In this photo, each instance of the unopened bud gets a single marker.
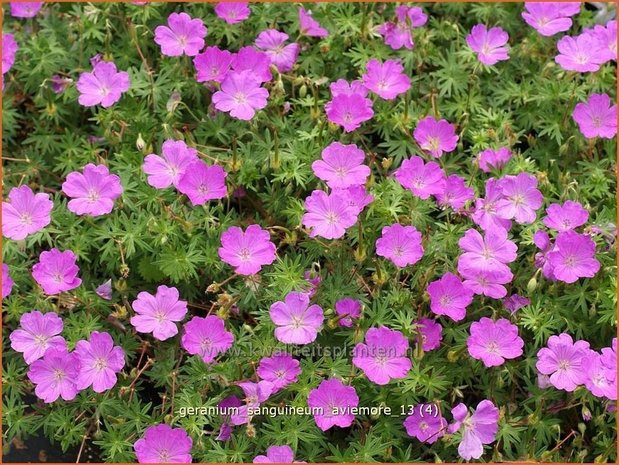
(140, 144)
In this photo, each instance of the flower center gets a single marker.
(100, 363)
(182, 40)
(206, 343)
(280, 374)
(331, 218)
(341, 172)
(398, 251)
(202, 189)
(240, 98)
(380, 359)
(105, 91)
(347, 117)
(581, 58)
(59, 374)
(564, 365)
(445, 300)
(160, 316)
(570, 261)
(26, 218)
(597, 121)
(434, 143)
(214, 71)
(244, 255)
(57, 278)
(93, 195)
(382, 85)
(41, 340)
(492, 348)
(423, 426)
(296, 322)
(486, 253)
(164, 455)
(518, 199)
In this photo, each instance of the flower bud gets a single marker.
(139, 143)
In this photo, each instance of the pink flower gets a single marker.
(100, 360)
(346, 309)
(485, 214)
(399, 34)
(436, 136)
(163, 444)
(356, 196)
(56, 271)
(247, 251)
(202, 183)
(490, 252)
(233, 12)
(490, 159)
(477, 429)
(422, 179)
(600, 381)
(158, 314)
(105, 290)
(521, 198)
(92, 192)
(563, 360)
(448, 296)
(341, 166)
(515, 302)
(276, 454)
(580, 53)
(9, 49)
(431, 334)
(547, 18)
(37, 333)
(387, 79)
(308, 26)
(349, 111)
(280, 369)
(485, 282)
(596, 117)
(297, 321)
(489, 44)
(255, 394)
(25, 9)
(104, 85)
(54, 375)
(456, 194)
(494, 341)
(606, 37)
(213, 64)
(425, 427)
(343, 87)
(227, 407)
(7, 282)
(573, 257)
(328, 215)
(206, 337)
(565, 217)
(241, 95)
(250, 59)
(183, 35)
(282, 56)
(26, 213)
(167, 170)
(400, 244)
(333, 402)
(383, 357)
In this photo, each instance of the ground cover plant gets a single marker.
(357, 232)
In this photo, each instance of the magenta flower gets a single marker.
(37, 333)
(400, 244)
(92, 192)
(606, 37)
(422, 179)
(297, 321)
(449, 297)
(580, 53)
(425, 427)
(163, 444)
(490, 159)
(383, 357)
(206, 337)
(213, 64)
(167, 170)
(485, 282)
(59, 83)
(573, 257)
(341, 166)
(56, 271)
(25, 9)
(456, 194)
(276, 454)
(521, 198)
(105, 290)
(399, 34)
(280, 369)
(493, 342)
(7, 282)
(547, 18)
(9, 49)
(565, 217)
(202, 183)
(600, 381)
(26, 213)
(241, 95)
(387, 80)
(227, 407)
(233, 12)
(255, 394)
(54, 375)
(596, 117)
(308, 26)
(490, 252)
(328, 215)
(431, 334)
(436, 136)
(515, 302)
(333, 402)
(356, 196)
(563, 360)
(347, 309)
(485, 214)
(183, 35)
(100, 360)
(489, 44)
(477, 429)
(247, 251)
(343, 87)
(250, 59)
(158, 314)
(104, 85)
(282, 56)
(349, 111)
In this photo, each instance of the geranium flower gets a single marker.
(489, 44)
(297, 321)
(26, 213)
(183, 35)
(202, 183)
(7, 282)
(521, 198)
(9, 50)
(308, 26)
(490, 159)
(247, 251)
(493, 342)
(54, 375)
(25, 9)
(490, 252)
(37, 332)
(387, 79)
(56, 271)
(206, 337)
(477, 429)
(280, 369)
(104, 85)
(485, 282)
(383, 357)
(341, 166)
(436, 136)
(422, 179)
(276, 454)
(596, 117)
(515, 302)
(399, 34)
(485, 214)
(563, 360)
(431, 334)
(233, 12)
(347, 309)
(250, 59)
(213, 64)
(158, 314)
(356, 197)
(606, 37)
(565, 217)
(255, 394)
(343, 87)
(600, 381)
(282, 56)
(425, 427)
(163, 444)
(349, 111)
(100, 360)
(400, 244)
(456, 194)
(573, 257)
(580, 53)
(333, 402)
(241, 95)
(227, 407)
(547, 18)
(448, 296)
(92, 192)
(328, 215)
(167, 170)
(105, 290)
